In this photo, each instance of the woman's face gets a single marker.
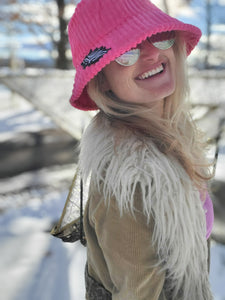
(130, 83)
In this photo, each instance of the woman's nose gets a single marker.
(148, 51)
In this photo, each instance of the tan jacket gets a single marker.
(120, 253)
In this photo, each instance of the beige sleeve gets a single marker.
(129, 253)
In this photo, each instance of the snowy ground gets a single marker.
(33, 264)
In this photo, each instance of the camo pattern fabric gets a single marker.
(94, 290)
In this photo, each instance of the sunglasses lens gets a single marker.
(164, 45)
(129, 58)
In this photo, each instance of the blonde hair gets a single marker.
(174, 133)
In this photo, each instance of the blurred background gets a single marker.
(40, 132)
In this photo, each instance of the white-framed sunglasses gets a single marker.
(162, 41)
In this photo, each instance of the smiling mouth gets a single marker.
(152, 73)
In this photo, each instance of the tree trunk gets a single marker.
(208, 20)
(166, 6)
(62, 62)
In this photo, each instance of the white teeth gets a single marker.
(151, 73)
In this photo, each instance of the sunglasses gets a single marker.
(162, 41)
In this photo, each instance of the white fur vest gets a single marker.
(167, 194)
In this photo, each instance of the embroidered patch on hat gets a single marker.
(94, 56)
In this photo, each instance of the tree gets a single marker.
(171, 6)
(62, 62)
(45, 21)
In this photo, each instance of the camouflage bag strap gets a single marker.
(70, 225)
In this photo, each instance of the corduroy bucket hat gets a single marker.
(101, 30)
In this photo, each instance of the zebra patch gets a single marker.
(94, 56)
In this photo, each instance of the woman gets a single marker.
(148, 215)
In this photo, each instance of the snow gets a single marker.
(217, 272)
(16, 115)
(36, 265)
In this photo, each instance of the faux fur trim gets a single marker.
(168, 196)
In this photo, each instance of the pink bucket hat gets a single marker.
(101, 30)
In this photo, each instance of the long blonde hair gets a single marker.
(174, 133)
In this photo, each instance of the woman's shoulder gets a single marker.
(103, 139)
(121, 150)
